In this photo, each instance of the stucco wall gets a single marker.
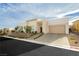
(45, 27)
(35, 25)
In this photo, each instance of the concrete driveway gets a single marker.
(59, 40)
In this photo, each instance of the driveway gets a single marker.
(60, 40)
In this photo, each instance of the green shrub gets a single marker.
(28, 29)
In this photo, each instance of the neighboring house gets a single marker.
(75, 26)
(8, 30)
(58, 26)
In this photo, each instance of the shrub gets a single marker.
(28, 29)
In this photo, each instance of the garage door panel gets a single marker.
(56, 29)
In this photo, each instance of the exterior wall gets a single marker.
(33, 24)
(67, 28)
(45, 27)
(58, 21)
(39, 25)
(36, 24)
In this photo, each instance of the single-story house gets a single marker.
(58, 26)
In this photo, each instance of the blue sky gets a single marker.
(13, 14)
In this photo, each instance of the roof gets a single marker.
(31, 20)
(76, 21)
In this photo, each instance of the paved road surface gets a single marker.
(12, 47)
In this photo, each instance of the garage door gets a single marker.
(56, 29)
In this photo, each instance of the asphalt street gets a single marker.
(13, 47)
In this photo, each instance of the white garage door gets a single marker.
(56, 29)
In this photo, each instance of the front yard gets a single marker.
(20, 35)
(73, 40)
(24, 35)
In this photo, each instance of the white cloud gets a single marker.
(67, 13)
(41, 11)
(55, 12)
(48, 12)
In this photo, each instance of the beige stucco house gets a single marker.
(58, 26)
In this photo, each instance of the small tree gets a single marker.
(19, 28)
(16, 27)
(28, 29)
